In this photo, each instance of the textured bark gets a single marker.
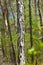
(30, 20)
(20, 25)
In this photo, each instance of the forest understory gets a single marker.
(21, 32)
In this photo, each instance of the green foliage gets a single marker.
(37, 44)
(35, 49)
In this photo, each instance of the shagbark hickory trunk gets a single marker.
(20, 26)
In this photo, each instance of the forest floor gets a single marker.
(3, 62)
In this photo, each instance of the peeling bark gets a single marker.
(20, 26)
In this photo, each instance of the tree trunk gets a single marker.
(12, 12)
(20, 26)
(6, 21)
(12, 51)
(30, 20)
(35, 2)
(3, 32)
(41, 24)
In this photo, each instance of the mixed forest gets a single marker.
(21, 32)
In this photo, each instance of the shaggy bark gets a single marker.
(20, 26)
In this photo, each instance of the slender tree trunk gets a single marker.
(38, 4)
(35, 2)
(12, 51)
(41, 24)
(40, 16)
(3, 41)
(12, 12)
(20, 25)
(30, 20)
(2, 32)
